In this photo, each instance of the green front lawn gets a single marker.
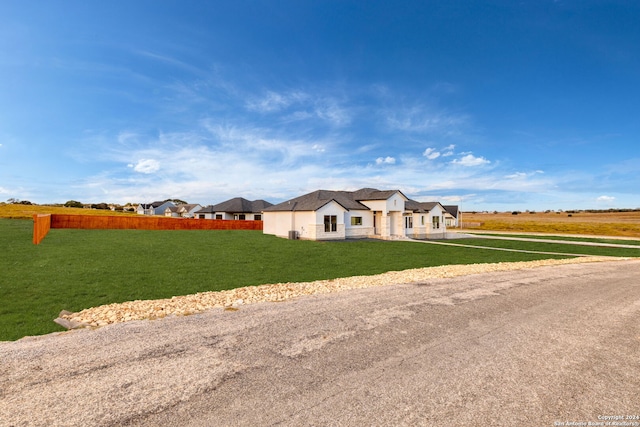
(567, 238)
(554, 247)
(77, 269)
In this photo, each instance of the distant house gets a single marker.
(368, 212)
(451, 215)
(171, 211)
(182, 211)
(237, 208)
(155, 208)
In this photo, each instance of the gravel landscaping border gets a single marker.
(233, 298)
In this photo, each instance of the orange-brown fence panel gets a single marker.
(41, 226)
(42, 223)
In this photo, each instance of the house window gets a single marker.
(356, 220)
(330, 223)
(257, 217)
(218, 216)
(242, 217)
(201, 216)
(422, 219)
(436, 222)
(408, 222)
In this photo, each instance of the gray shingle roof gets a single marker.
(237, 205)
(412, 205)
(350, 200)
(452, 209)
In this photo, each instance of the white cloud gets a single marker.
(422, 120)
(448, 151)
(470, 160)
(385, 160)
(300, 106)
(431, 153)
(318, 148)
(456, 199)
(330, 111)
(517, 175)
(126, 137)
(605, 199)
(146, 166)
(274, 101)
(523, 175)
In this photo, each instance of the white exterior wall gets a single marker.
(358, 231)
(421, 224)
(450, 220)
(331, 208)
(395, 203)
(389, 221)
(308, 224)
(280, 223)
(427, 230)
(305, 225)
(376, 205)
(437, 211)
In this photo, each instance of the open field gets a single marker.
(619, 224)
(18, 211)
(78, 269)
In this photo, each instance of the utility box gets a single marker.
(293, 235)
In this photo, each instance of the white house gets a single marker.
(236, 208)
(155, 208)
(338, 215)
(451, 216)
(182, 211)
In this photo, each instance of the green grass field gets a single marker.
(77, 269)
(567, 238)
(556, 247)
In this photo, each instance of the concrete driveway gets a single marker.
(535, 347)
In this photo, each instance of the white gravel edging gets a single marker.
(231, 299)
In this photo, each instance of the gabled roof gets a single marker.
(187, 206)
(419, 207)
(452, 209)
(350, 200)
(206, 209)
(237, 205)
(374, 194)
(317, 199)
(153, 205)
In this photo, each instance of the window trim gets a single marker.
(330, 223)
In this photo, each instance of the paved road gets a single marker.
(527, 348)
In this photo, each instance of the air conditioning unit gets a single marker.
(293, 235)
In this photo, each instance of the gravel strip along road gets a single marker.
(231, 299)
(545, 346)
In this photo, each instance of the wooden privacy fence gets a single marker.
(41, 226)
(42, 223)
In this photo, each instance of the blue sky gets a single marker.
(491, 105)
